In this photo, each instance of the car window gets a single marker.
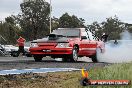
(67, 32)
(84, 33)
(91, 37)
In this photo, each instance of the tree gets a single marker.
(128, 27)
(67, 21)
(95, 28)
(9, 30)
(112, 26)
(55, 23)
(34, 19)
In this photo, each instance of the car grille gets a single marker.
(47, 44)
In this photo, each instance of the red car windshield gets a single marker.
(67, 32)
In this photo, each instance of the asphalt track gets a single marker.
(7, 63)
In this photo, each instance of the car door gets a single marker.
(88, 44)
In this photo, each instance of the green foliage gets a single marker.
(67, 21)
(112, 26)
(10, 20)
(95, 27)
(113, 72)
(34, 19)
(55, 23)
(116, 71)
(33, 23)
(9, 30)
(128, 27)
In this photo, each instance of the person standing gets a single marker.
(21, 42)
(104, 37)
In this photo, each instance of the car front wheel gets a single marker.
(74, 55)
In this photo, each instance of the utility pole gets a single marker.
(50, 16)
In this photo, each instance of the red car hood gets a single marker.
(58, 40)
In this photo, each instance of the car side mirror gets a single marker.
(83, 37)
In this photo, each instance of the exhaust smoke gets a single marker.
(118, 52)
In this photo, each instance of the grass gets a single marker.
(67, 79)
(116, 71)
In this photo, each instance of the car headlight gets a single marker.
(33, 45)
(62, 45)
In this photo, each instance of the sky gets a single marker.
(90, 10)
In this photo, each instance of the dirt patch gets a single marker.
(46, 80)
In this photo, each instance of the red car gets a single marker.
(67, 43)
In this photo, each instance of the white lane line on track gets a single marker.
(38, 70)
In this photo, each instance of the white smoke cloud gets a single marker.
(117, 53)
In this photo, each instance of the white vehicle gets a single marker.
(10, 48)
(2, 51)
(13, 50)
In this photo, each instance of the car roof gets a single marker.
(72, 28)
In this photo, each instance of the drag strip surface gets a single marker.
(40, 70)
(7, 63)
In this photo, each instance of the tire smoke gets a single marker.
(118, 52)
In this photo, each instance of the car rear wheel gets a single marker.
(38, 58)
(94, 58)
(74, 55)
(64, 59)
